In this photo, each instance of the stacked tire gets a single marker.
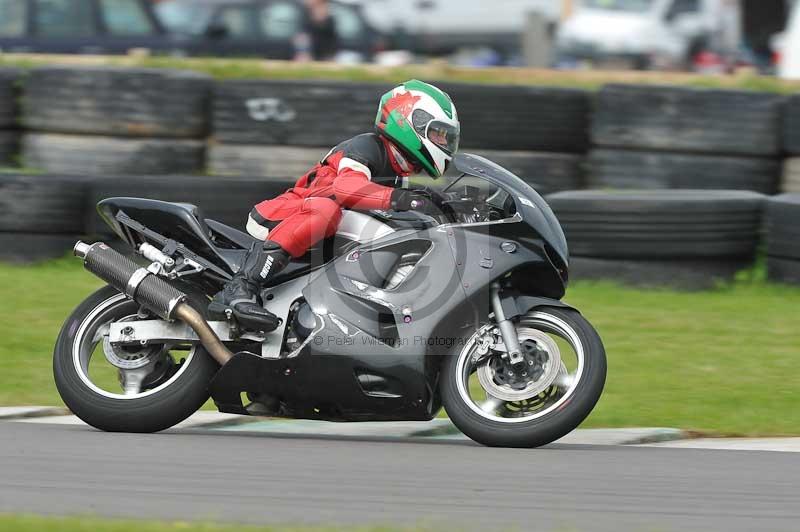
(686, 238)
(649, 137)
(628, 169)
(533, 119)
(791, 145)
(783, 238)
(545, 172)
(791, 174)
(293, 113)
(114, 121)
(9, 133)
(41, 216)
(269, 161)
(280, 128)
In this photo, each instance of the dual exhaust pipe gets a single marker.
(150, 291)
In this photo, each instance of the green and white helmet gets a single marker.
(422, 121)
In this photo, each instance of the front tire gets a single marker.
(548, 414)
(176, 396)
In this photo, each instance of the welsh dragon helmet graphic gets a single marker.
(421, 120)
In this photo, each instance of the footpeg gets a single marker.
(264, 321)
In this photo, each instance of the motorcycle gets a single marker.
(397, 316)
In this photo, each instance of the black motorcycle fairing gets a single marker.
(376, 352)
(404, 219)
(328, 387)
(527, 266)
(370, 355)
(532, 208)
(181, 222)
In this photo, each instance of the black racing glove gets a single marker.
(409, 200)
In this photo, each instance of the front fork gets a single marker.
(507, 329)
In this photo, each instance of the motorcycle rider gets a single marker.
(416, 129)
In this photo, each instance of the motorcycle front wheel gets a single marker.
(141, 388)
(534, 402)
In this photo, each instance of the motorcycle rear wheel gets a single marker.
(548, 414)
(164, 403)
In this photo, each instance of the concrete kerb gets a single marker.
(441, 429)
(24, 412)
(437, 429)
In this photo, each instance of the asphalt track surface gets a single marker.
(241, 477)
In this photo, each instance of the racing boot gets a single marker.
(240, 296)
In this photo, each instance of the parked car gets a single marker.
(638, 33)
(81, 27)
(440, 27)
(263, 28)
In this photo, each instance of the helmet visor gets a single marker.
(444, 135)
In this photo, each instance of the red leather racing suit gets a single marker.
(312, 209)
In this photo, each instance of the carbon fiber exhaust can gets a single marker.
(150, 291)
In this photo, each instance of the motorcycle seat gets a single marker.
(239, 238)
(243, 240)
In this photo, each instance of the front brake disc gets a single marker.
(498, 380)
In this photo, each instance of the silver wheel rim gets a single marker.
(465, 368)
(87, 339)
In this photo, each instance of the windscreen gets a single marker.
(478, 166)
(534, 209)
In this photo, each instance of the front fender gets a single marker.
(516, 305)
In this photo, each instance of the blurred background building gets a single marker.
(680, 35)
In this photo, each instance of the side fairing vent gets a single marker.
(408, 255)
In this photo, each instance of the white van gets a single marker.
(641, 33)
(787, 47)
(439, 27)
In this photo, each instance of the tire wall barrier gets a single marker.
(9, 131)
(791, 175)
(677, 137)
(41, 216)
(547, 172)
(111, 121)
(680, 119)
(791, 145)
(103, 156)
(302, 113)
(542, 132)
(680, 224)
(122, 131)
(225, 200)
(630, 169)
(783, 238)
(687, 238)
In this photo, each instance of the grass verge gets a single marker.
(721, 361)
(14, 523)
(244, 68)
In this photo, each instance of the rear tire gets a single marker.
(557, 420)
(156, 410)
